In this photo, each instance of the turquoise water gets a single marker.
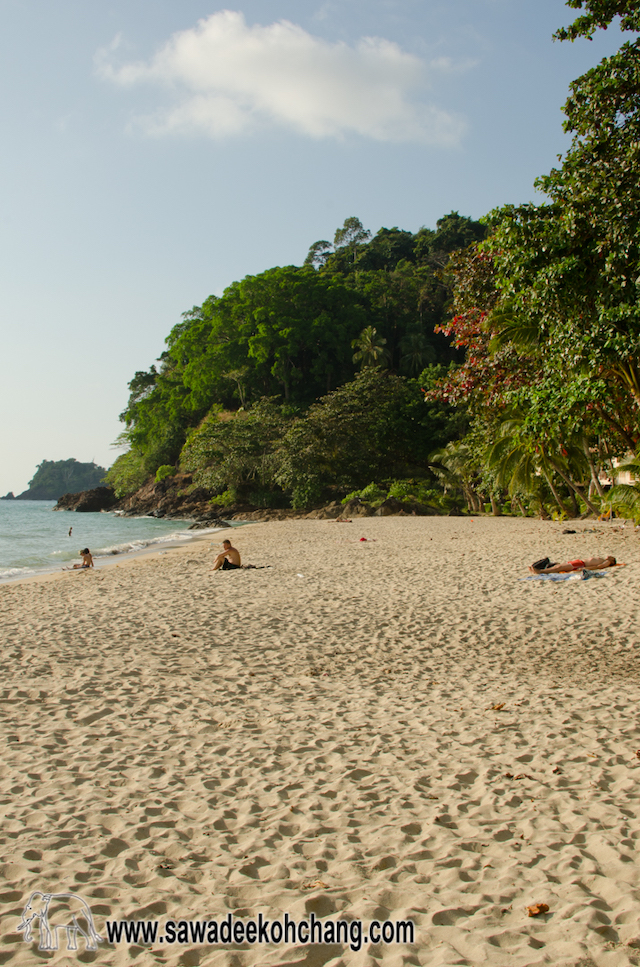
(33, 538)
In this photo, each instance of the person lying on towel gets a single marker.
(589, 564)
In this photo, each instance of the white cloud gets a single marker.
(226, 77)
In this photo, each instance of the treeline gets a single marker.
(326, 359)
(547, 310)
(492, 363)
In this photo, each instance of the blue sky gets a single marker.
(155, 151)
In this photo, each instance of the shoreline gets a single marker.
(102, 562)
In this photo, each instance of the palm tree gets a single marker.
(626, 497)
(518, 468)
(417, 353)
(517, 459)
(456, 468)
(370, 348)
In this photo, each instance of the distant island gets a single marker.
(53, 478)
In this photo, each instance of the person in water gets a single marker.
(589, 564)
(229, 559)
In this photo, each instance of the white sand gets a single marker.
(320, 736)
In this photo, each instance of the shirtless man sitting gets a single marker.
(229, 559)
(589, 564)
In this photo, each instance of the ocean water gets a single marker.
(34, 539)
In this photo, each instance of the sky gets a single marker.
(155, 151)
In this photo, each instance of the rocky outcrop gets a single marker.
(9, 496)
(88, 501)
(330, 512)
(171, 498)
(392, 507)
(355, 508)
(176, 497)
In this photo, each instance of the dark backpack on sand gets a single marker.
(541, 565)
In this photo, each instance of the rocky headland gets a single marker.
(176, 497)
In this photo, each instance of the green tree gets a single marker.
(374, 428)
(369, 348)
(570, 268)
(352, 235)
(236, 453)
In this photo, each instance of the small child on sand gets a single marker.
(87, 561)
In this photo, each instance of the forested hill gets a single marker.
(336, 377)
(53, 478)
(294, 334)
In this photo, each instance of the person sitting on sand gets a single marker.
(229, 559)
(87, 561)
(588, 564)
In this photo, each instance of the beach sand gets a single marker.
(398, 728)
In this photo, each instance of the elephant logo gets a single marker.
(59, 911)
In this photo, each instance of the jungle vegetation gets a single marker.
(493, 364)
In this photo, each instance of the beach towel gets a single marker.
(571, 576)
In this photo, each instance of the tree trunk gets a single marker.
(556, 495)
(576, 489)
(594, 475)
(496, 510)
(518, 503)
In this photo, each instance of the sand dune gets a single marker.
(399, 728)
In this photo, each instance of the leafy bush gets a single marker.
(165, 471)
(374, 428)
(418, 490)
(127, 474)
(224, 499)
(372, 494)
(236, 451)
(307, 494)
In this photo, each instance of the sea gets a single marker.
(34, 539)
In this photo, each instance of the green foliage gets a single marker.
(625, 498)
(374, 428)
(127, 474)
(308, 493)
(567, 270)
(225, 499)
(53, 478)
(415, 489)
(547, 310)
(372, 494)
(600, 14)
(290, 332)
(165, 471)
(237, 453)
(370, 348)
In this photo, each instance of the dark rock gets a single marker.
(9, 496)
(206, 522)
(355, 508)
(390, 508)
(330, 512)
(423, 510)
(88, 501)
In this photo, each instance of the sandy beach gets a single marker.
(392, 729)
